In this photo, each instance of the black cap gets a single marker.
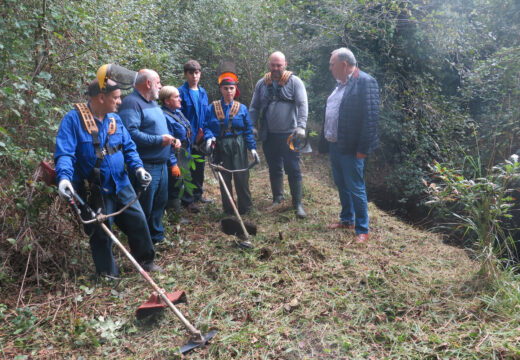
(93, 88)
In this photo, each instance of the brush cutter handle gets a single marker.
(255, 162)
(99, 218)
(220, 168)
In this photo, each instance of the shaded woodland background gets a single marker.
(448, 74)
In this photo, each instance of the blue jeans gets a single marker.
(155, 198)
(132, 222)
(279, 157)
(347, 171)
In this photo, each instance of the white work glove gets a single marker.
(298, 134)
(65, 189)
(143, 177)
(209, 144)
(255, 156)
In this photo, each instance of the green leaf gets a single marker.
(44, 76)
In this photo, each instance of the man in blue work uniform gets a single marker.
(194, 104)
(78, 157)
(147, 126)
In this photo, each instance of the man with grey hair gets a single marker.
(350, 134)
(148, 128)
(279, 106)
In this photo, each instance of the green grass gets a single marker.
(304, 292)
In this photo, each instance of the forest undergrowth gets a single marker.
(303, 292)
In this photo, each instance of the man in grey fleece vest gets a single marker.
(279, 109)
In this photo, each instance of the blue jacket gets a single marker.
(188, 108)
(241, 124)
(75, 157)
(359, 115)
(177, 129)
(146, 124)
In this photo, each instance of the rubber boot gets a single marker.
(277, 189)
(176, 206)
(296, 193)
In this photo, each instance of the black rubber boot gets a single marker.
(296, 193)
(277, 189)
(175, 205)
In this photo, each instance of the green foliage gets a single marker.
(212, 30)
(442, 67)
(107, 328)
(23, 321)
(479, 204)
(492, 92)
(445, 70)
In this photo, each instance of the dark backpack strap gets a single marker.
(186, 123)
(181, 119)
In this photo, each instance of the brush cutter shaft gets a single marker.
(147, 277)
(218, 169)
(221, 179)
(150, 281)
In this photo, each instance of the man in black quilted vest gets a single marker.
(350, 128)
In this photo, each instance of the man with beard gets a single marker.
(279, 106)
(148, 128)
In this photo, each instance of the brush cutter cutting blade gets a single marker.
(155, 303)
(245, 245)
(195, 343)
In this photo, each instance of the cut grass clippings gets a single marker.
(303, 292)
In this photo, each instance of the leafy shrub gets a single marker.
(478, 205)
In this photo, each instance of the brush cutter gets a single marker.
(230, 223)
(159, 300)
